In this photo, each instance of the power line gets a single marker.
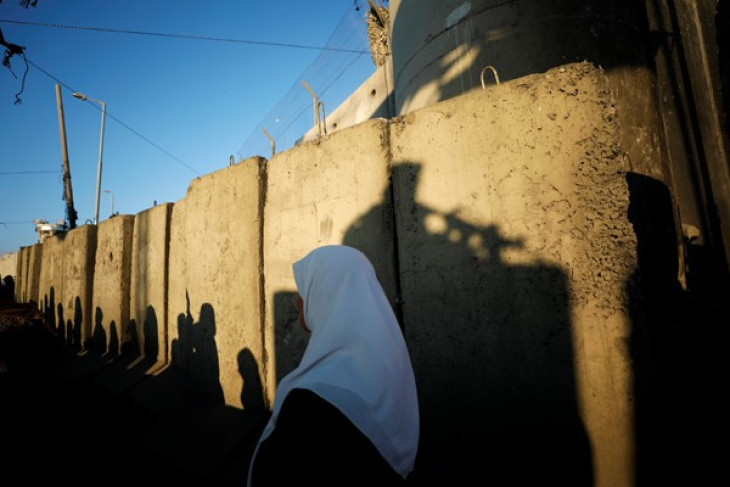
(168, 154)
(185, 36)
(11, 173)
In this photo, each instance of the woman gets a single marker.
(348, 414)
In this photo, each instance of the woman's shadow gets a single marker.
(490, 342)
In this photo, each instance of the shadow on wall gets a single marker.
(289, 338)
(49, 309)
(677, 347)
(195, 351)
(74, 328)
(490, 343)
(173, 417)
(492, 349)
(101, 343)
(252, 392)
(7, 289)
(143, 345)
(517, 37)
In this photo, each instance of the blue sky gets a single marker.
(190, 104)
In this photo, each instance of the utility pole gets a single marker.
(67, 191)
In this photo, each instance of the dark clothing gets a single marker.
(315, 444)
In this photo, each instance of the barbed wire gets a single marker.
(333, 75)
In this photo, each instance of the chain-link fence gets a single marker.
(343, 65)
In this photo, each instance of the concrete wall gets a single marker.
(21, 275)
(9, 265)
(33, 273)
(51, 282)
(499, 225)
(513, 275)
(148, 287)
(78, 278)
(216, 236)
(110, 300)
(318, 194)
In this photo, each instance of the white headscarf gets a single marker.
(356, 358)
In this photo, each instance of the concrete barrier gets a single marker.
(50, 281)
(216, 234)
(505, 234)
(110, 299)
(9, 265)
(333, 190)
(78, 278)
(178, 300)
(33, 273)
(513, 275)
(148, 289)
(21, 274)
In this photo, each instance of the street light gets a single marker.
(83, 97)
(111, 193)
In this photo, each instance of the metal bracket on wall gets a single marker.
(494, 71)
(319, 122)
(322, 120)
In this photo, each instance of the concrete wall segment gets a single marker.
(149, 279)
(21, 275)
(51, 281)
(9, 265)
(177, 304)
(33, 273)
(79, 257)
(334, 190)
(219, 329)
(110, 298)
(511, 215)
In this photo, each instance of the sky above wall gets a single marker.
(178, 106)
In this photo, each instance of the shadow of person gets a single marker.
(63, 339)
(143, 347)
(195, 351)
(290, 340)
(98, 343)
(181, 348)
(252, 392)
(151, 342)
(77, 325)
(49, 309)
(204, 367)
(491, 347)
(678, 417)
(7, 287)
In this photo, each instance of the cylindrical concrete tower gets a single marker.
(441, 47)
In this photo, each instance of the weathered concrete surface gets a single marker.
(515, 247)
(33, 273)
(110, 299)
(178, 305)
(216, 234)
(148, 288)
(51, 281)
(21, 274)
(9, 265)
(331, 191)
(78, 279)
